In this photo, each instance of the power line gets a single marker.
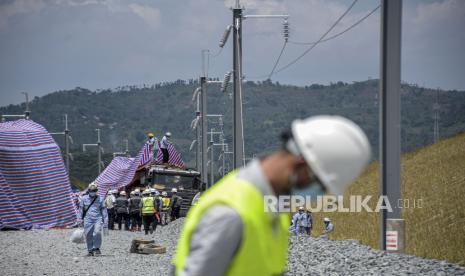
(277, 60)
(319, 40)
(341, 33)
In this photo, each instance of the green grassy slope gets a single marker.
(434, 174)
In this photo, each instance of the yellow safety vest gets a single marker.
(147, 206)
(263, 250)
(166, 203)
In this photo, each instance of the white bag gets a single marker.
(78, 236)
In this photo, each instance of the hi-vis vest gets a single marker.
(166, 203)
(263, 250)
(147, 205)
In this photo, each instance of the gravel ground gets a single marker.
(317, 256)
(41, 252)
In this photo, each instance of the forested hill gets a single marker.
(129, 112)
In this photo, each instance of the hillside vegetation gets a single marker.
(129, 112)
(434, 174)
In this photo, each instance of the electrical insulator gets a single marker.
(225, 36)
(286, 30)
(225, 83)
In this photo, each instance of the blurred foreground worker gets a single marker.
(122, 214)
(175, 204)
(110, 201)
(329, 227)
(95, 218)
(229, 231)
(165, 208)
(298, 221)
(134, 211)
(308, 222)
(164, 147)
(147, 209)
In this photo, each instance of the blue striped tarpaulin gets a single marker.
(34, 187)
(117, 174)
(120, 172)
(175, 157)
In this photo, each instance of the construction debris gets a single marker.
(142, 246)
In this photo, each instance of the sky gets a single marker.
(50, 45)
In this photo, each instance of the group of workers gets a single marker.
(228, 232)
(152, 141)
(98, 213)
(148, 208)
(302, 222)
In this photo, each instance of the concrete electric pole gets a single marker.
(99, 151)
(392, 225)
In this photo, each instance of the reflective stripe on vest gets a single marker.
(147, 205)
(263, 249)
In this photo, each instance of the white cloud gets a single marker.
(151, 16)
(18, 7)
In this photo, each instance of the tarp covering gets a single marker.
(117, 174)
(120, 172)
(175, 157)
(34, 187)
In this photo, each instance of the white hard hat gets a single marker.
(123, 193)
(152, 190)
(168, 134)
(335, 148)
(164, 193)
(326, 220)
(146, 192)
(137, 191)
(301, 208)
(133, 192)
(114, 191)
(92, 186)
(174, 190)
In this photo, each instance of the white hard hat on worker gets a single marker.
(335, 149)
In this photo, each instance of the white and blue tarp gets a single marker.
(35, 191)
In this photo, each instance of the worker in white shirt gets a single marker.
(329, 227)
(164, 147)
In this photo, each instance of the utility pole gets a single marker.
(212, 161)
(391, 223)
(68, 140)
(99, 150)
(238, 129)
(436, 118)
(204, 126)
(125, 152)
(26, 114)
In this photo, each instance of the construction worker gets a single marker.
(308, 222)
(134, 210)
(122, 212)
(175, 204)
(164, 147)
(95, 218)
(165, 208)
(152, 141)
(147, 210)
(329, 227)
(158, 205)
(110, 204)
(298, 221)
(229, 232)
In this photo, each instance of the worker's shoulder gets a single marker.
(220, 216)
